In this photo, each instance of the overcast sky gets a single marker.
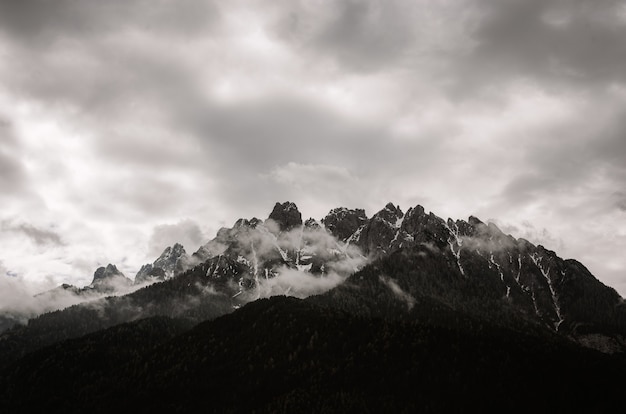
(126, 126)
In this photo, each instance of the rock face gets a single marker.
(172, 261)
(109, 279)
(311, 223)
(343, 223)
(241, 260)
(377, 236)
(286, 216)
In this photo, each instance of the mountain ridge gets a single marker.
(280, 299)
(462, 264)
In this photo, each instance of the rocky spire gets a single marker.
(286, 216)
(109, 279)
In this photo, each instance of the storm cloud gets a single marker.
(125, 125)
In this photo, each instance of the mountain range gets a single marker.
(272, 315)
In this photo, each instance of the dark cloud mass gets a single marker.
(560, 42)
(364, 35)
(151, 122)
(42, 21)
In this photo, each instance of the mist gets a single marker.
(299, 284)
(300, 262)
(398, 292)
(21, 300)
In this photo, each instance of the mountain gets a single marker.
(279, 256)
(172, 261)
(385, 301)
(190, 297)
(470, 264)
(286, 216)
(343, 223)
(241, 264)
(461, 264)
(108, 279)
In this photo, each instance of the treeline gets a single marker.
(286, 355)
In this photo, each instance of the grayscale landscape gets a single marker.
(312, 205)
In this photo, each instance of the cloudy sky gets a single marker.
(128, 125)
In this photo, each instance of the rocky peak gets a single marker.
(177, 250)
(173, 260)
(311, 223)
(378, 234)
(246, 224)
(343, 223)
(109, 279)
(108, 272)
(286, 216)
(416, 220)
(391, 214)
(241, 223)
(418, 210)
(170, 256)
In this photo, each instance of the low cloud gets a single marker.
(317, 261)
(398, 292)
(530, 232)
(299, 284)
(21, 300)
(18, 300)
(340, 261)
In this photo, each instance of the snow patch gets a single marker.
(497, 266)
(546, 274)
(454, 235)
(398, 223)
(255, 263)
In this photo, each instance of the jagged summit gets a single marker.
(286, 216)
(173, 251)
(252, 223)
(108, 272)
(342, 222)
(109, 279)
(376, 236)
(474, 221)
(172, 261)
(311, 223)
(392, 214)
